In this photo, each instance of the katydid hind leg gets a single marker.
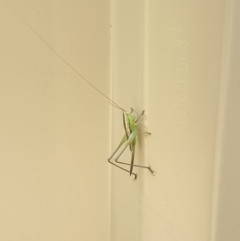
(132, 161)
(135, 175)
(129, 141)
(124, 139)
(133, 165)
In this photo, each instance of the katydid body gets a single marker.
(129, 120)
(130, 139)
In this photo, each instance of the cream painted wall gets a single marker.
(54, 127)
(171, 58)
(166, 57)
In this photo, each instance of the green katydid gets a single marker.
(130, 122)
(129, 138)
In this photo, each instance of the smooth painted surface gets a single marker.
(167, 59)
(226, 199)
(54, 176)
